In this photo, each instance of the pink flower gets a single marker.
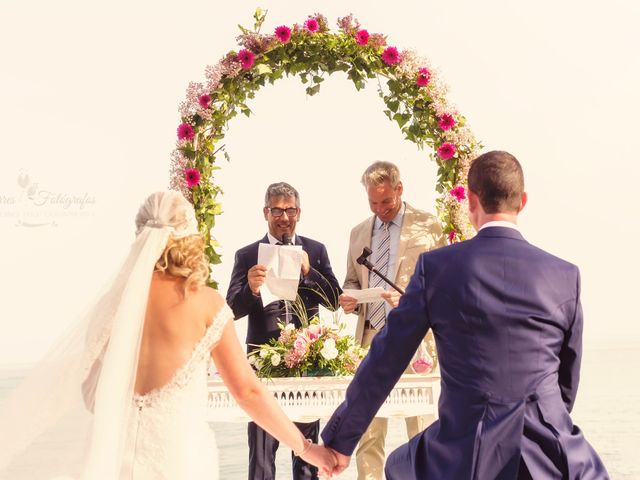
(185, 131)
(446, 122)
(300, 345)
(204, 100)
(390, 56)
(314, 332)
(452, 236)
(446, 151)
(424, 76)
(246, 58)
(362, 37)
(192, 176)
(458, 192)
(312, 25)
(283, 33)
(422, 365)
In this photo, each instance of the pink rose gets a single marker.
(422, 365)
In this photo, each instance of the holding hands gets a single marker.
(328, 461)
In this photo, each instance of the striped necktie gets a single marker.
(377, 314)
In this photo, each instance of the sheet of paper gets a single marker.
(367, 295)
(283, 264)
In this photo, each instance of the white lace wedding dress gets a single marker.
(168, 435)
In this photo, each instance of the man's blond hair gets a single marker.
(379, 172)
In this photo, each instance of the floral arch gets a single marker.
(414, 96)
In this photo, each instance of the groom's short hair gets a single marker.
(497, 178)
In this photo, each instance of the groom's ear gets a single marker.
(523, 201)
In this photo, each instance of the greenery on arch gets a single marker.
(413, 94)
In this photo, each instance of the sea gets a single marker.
(607, 410)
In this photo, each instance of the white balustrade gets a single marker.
(308, 398)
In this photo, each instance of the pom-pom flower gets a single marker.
(246, 58)
(446, 122)
(283, 33)
(362, 37)
(390, 56)
(424, 76)
(446, 151)
(185, 132)
(192, 176)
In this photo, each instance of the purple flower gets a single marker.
(185, 132)
(458, 192)
(192, 176)
(446, 151)
(246, 58)
(390, 56)
(283, 33)
(362, 37)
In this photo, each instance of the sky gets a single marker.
(89, 95)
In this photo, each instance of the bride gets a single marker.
(124, 394)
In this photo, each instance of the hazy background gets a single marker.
(89, 96)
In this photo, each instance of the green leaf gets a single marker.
(313, 90)
(393, 105)
(402, 118)
(262, 69)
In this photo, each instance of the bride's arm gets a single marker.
(256, 400)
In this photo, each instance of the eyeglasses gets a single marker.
(277, 212)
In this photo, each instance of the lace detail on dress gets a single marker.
(183, 374)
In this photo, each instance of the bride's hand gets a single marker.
(321, 457)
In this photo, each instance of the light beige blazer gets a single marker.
(420, 232)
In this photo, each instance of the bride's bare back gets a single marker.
(174, 324)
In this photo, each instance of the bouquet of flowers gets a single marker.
(311, 351)
(315, 349)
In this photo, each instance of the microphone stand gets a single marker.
(362, 260)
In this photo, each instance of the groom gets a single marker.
(508, 327)
(282, 212)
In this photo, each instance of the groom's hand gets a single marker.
(342, 462)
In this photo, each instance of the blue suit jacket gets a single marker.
(508, 327)
(263, 321)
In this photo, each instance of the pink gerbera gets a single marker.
(446, 121)
(312, 25)
(192, 176)
(204, 100)
(362, 37)
(283, 33)
(446, 151)
(246, 58)
(458, 192)
(452, 236)
(185, 131)
(390, 56)
(424, 76)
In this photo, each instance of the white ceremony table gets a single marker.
(306, 399)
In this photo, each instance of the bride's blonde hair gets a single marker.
(185, 257)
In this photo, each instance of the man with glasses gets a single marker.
(397, 234)
(317, 285)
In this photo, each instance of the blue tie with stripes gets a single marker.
(377, 315)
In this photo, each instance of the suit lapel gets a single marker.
(364, 240)
(407, 221)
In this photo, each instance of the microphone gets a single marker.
(362, 260)
(286, 240)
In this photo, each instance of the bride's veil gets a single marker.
(69, 417)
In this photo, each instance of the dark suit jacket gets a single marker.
(508, 327)
(263, 321)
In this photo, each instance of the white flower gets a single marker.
(290, 326)
(258, 363)
(264, 353)
(252, 359)
(275, 359)
(329, 350)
